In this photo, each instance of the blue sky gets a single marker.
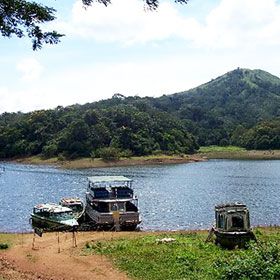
(122, 49)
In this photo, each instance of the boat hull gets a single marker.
(50, 225)
(127, 220)
(232, 239)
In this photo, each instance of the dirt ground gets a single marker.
(49, 259)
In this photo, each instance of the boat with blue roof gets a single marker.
(111, 202)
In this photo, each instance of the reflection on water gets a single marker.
(171, 197)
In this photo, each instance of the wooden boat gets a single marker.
(74, 203)
(232, 225)
(52, 216)
(110, 202)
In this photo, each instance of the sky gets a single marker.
(124, 49)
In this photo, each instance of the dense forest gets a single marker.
(240, 108)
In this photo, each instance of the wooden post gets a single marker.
(58, 242)
(116, 218)
(33, 242)
(74, 239)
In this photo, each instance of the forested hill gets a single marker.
(241, 107)
(239, 99)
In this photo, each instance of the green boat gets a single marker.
(53, 217)
(232, 225)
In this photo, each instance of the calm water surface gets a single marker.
(171, 197)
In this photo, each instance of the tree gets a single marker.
(18, 17)
(21, 18)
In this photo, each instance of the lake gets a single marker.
(171, 197)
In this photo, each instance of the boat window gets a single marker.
(64, 215)
(237, 222)
(221, 221)
(248, 220)
(118, 206)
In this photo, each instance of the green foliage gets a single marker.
(88, 130)
(20, 18)
(109, 153)
(260, 261)
(263, 136)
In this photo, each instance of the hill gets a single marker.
(241, 107)
(241, 98)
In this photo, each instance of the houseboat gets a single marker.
(232, 225)
(54, 217)
(111, 203)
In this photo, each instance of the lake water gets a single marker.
(171, 197)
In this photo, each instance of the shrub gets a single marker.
(61, 157)
(4, 246)
(109, 153)
(260, 261)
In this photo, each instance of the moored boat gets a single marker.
(74, 203)
(50, 216)
(110, 202)
(232, 225)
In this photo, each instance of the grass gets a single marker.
(7, 240)
(220, 149)
(189, 257)
(233, 152)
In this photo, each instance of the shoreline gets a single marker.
(84, 163)
(147, 231)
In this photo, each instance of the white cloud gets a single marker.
(126, 21)
(30, 68)
(231, 24)
(242, 23)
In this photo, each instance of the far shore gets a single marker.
(203, 155)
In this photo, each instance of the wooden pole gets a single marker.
(33, 242)
(74, 239)
(58, 242)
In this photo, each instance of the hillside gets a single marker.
(241, 107)
(215, 109)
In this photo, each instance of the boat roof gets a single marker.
(230, 205)
(71, 200)
(52, 207)
(108, 179)
(112, 199)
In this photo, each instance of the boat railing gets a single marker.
(114, 193)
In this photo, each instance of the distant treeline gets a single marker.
(239, 108)
(78, 131)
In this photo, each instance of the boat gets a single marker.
(111, 203)
(50, 216)
(74, 203)
(232, 225)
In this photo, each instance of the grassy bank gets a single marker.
(189, 257)
(233, 152)
(97, 162)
